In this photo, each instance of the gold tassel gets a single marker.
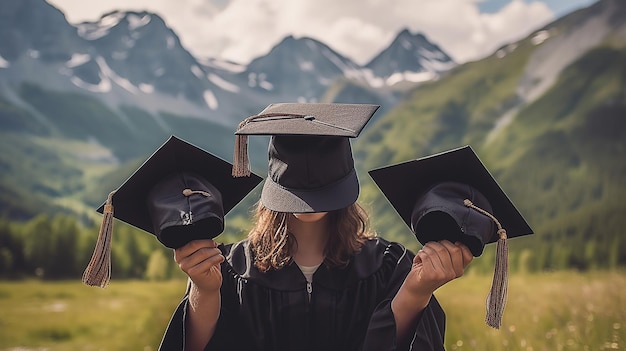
(241, 164)
(98, 271)
(496, 299)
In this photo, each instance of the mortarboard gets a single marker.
(311, 168)
(452, 195)
(179, 194)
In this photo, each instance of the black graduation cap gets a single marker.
(311, 168)
(179, 194)
(452, 195)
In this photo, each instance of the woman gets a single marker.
(310, 276)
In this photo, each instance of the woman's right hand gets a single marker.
(200, 260)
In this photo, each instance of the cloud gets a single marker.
(359, 29)
(244, 29)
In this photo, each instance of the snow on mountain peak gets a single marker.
(136, 20)
(4, 63)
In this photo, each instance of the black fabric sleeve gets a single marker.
(428, 334)
(174, 338)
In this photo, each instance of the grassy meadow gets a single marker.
(566, 311)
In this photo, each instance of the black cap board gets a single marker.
(452, 196)
(179, 194)
(443, 180)
(176, 157)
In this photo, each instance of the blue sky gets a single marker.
(240, 30)
(558, 7)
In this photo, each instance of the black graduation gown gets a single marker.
(342, 309)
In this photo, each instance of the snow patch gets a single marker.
(349, 72)
(4, 63)
(407, 76)
(34, 54)
(502, 122)
(266, 85)
(438, 66)
(108, 72)
(406, 44)
(223, 65)
(432, 55)
(77, 60)
(93, 31)
(197, 71)
(506, 50)
(372, 80)
(210, 100)
(136, 21)
(171, 42)
(540, 37)
(220, 82)
(306, 66)
(259, 79)
(111, 20)
(146, 88)
(103, 87)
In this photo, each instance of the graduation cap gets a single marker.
(452, 196)
(311, 168)
(179, 194)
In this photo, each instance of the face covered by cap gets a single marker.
(311, 167)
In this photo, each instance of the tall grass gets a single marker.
(128, 315)
(565, 311)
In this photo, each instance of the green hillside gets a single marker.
(68, 151)
(561, 159)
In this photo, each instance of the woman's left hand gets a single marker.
(436, 264)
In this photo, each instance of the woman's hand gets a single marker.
(433, 266)
(436, 264)
(200, 260)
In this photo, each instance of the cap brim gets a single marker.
(338, 195)
(324, 119)
(403, 183)
(176, 155)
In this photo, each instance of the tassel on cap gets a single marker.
(241, 163)
(98, 271)
(496, 299)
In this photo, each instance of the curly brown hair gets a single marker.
(271, 242)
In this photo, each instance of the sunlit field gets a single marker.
(545, 312)
(553, 311)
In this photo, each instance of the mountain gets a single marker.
(547, 116)
(408, 61)
(81, 106)
(410, 58)
(299, 69)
